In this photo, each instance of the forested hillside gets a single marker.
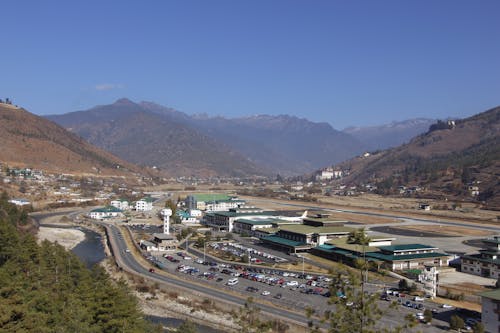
(44, 288)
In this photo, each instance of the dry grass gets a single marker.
(454, 231)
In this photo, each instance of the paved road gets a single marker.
(128, 262)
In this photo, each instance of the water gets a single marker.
(91, 250)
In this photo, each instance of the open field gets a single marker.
(445, 230)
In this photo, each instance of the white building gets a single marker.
(487, 262)
(105, 212)
(144, 205)
(329, 174)
(195, 213)
(490, 314)
(20, 202)
(159, 243)
(120, 204)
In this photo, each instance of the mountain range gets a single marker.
(451, 157)
(389, 135)
(182, 144)
(28, 140)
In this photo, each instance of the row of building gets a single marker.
(323, 236)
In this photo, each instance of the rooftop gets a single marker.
(107, 209)
(283, 241)
(235, 214)
(390, 257)
(306, 229)
(494, 240)
(256, 222)
(208, 197)
(406, 247)
(492, 294)
(163, 236)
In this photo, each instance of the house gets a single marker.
(486, 263)
(394, 257)
(300, 237)
(159, 243)
(224, 221)
(120, 204)
(186, 217)
(490, 314)
(424, 206)
(105, 212)
(410, 256)
(212, 202)
(249, 226)
(144, 205)
(20, 202)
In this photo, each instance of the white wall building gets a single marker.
(120, 204)
(486, 263)
(144, 205)
(105, 212)
(20, 202)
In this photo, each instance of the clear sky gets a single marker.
(343, 62)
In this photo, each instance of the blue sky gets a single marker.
(342, 62)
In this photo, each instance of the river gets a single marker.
(91, 252)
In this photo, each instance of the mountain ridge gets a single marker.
(33, 141)
(449, 158)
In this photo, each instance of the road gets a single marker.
(128, 263)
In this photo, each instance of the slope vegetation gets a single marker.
(448, 158)
(149, 138)
(44, 288)
(32, 141)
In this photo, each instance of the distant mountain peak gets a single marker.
(124, 101)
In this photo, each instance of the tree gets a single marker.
(456, 322)
(248, 319)
(170, 204)
(355, 311)
(358, 236)
(427, 316)
(187, 327)
(478, 327)
(403, 284)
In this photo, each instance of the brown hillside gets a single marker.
(32, 141)
(447, 159)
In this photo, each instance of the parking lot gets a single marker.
(289, 289)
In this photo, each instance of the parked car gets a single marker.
(265, 293)
(232, 282)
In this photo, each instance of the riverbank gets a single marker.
(68, 238)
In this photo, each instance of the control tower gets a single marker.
(166, 220)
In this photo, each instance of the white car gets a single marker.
(265, 293)
(292, 283)
(446, 306)
(232, 282)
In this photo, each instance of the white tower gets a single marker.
(166, 220)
